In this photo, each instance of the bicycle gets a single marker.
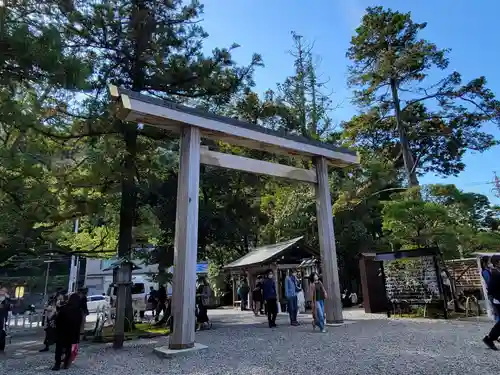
(467, 304)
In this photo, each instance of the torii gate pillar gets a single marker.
(329, 267)
(186, 241)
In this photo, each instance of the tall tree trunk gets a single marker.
(301, 86)
(403, 139)
(124, 310)
(314, 105)
(124, 314)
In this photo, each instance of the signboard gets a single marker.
(106, 263)
(202, 268)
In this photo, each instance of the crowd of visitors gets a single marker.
(265, 298)
(160, 305)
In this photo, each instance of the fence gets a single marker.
(24, 322)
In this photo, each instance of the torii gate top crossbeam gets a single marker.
(136, 107)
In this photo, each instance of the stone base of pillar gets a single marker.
(166, 352)
(331, 324)
(334, 324)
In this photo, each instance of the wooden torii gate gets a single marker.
(192, 125)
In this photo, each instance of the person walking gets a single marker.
(291, 289)
(270, 296)
(50, 314)
(257, 296)
(486, 274)
(494, 292)
(68, 324)
(4, 314)
(319, 295)
(153, 300)
(244, 290)
(162, 302)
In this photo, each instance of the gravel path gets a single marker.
(242, 344)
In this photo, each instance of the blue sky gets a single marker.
(470, 29)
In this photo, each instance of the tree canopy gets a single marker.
(64, 155)
(407, 115)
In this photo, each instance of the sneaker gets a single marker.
(323, 330)
(46, 349)
(489, 343)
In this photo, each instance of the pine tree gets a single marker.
(305, 106)
(35, 71)
(149, 46)
(435, 123)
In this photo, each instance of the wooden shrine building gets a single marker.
(279, 257)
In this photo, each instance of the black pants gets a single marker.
(63, 349)
(272, 310)
(495, 331)
(3, 334)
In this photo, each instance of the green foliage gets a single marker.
(65, 156)
(301, 97)
(440, 215)
(217, 279)
(36, 71)
(414, 222)
(428, 125)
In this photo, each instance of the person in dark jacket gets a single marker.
(50, 314)
(68, 323)
(270, 296)
(243, 294)
(494, 292)
(4, 314)
(82, 293)
(257, 297)
(162, 302)
(153, 299)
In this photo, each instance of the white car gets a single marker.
(97, 302)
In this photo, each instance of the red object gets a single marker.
(74, 352)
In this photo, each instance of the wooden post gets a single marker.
(186, 241)
(251, 285)
(333, 304)
(122, 283)
(274, 268)
(235, 288)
